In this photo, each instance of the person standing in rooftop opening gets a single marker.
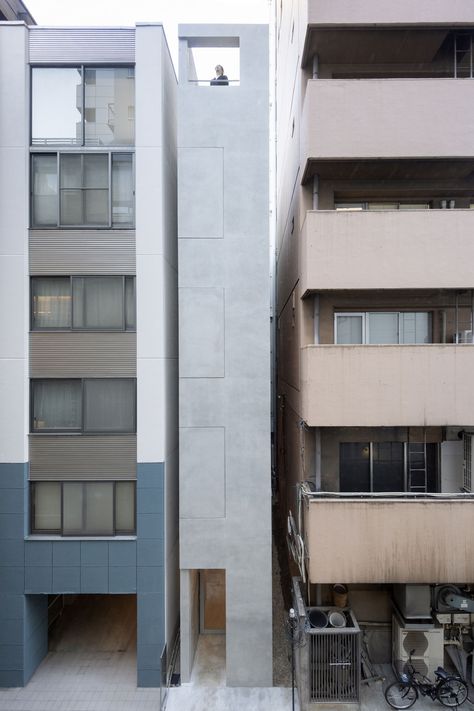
(220, 79)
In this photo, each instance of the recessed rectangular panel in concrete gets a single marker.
(201, 345)
(201, 193)
(202, 461)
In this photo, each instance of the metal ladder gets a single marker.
(417, 472)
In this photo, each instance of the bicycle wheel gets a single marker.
(400, 696)
(452, 692)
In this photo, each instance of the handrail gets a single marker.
(213, 81)
(408, 495)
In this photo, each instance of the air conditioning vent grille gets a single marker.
(416, 641)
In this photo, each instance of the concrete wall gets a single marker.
(157, 370)
(385, 386)
(372, 541)
(225, 347)
(420, 249)
(376, 118)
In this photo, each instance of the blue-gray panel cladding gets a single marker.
(13, 625)
(32, 569)
(150, 572)
(35, 632)
(64, 566)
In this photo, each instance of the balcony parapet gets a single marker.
(387, 385)
(389, 538)
(367, 119)
(415, 249)
(403, 12)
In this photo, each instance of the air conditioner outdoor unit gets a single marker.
(428, 644)
(464, 336)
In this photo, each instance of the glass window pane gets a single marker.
(415, 206)
(56, 106)
(349, 328)
(71, 207)
(349, 206)
(383, 328)
(73, 508)
(78, 302)
(109, 405)
(383, 206)
(96, 207)
(122, 190)
(110, 106)
(99, 511)
(354, 466)
(57, 405)
(45, 190)
(125, 507)
(98, 302)
(388, 466)
(130, 318)
(415, 327)
(71, 171)
(47, 506)
(96, 171)
(51, 306)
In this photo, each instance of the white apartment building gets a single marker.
(88, 357)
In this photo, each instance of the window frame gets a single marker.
(83, 431)
(366, 327)
(85, 329)
(81, 151)
(82, 66)
(60, 532)
(360, 314)
(405, 460)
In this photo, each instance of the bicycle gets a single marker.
(449, 689)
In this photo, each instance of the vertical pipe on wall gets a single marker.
(316, 318)
(316, 192)
(315, 66)
(317, 458)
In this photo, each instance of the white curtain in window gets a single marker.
(109, 405)
(125, 506)
(382, 328)
(349, 328)
(51, 302)
(72, 507)
(47, 506)
(122, 190)
(99, 508)
(415, 327)
(57, 405)
(45, 190)
(98, 302)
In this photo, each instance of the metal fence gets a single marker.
(334, 663)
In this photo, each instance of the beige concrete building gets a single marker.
(375, 174)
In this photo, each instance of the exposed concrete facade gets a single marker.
(224, 294)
